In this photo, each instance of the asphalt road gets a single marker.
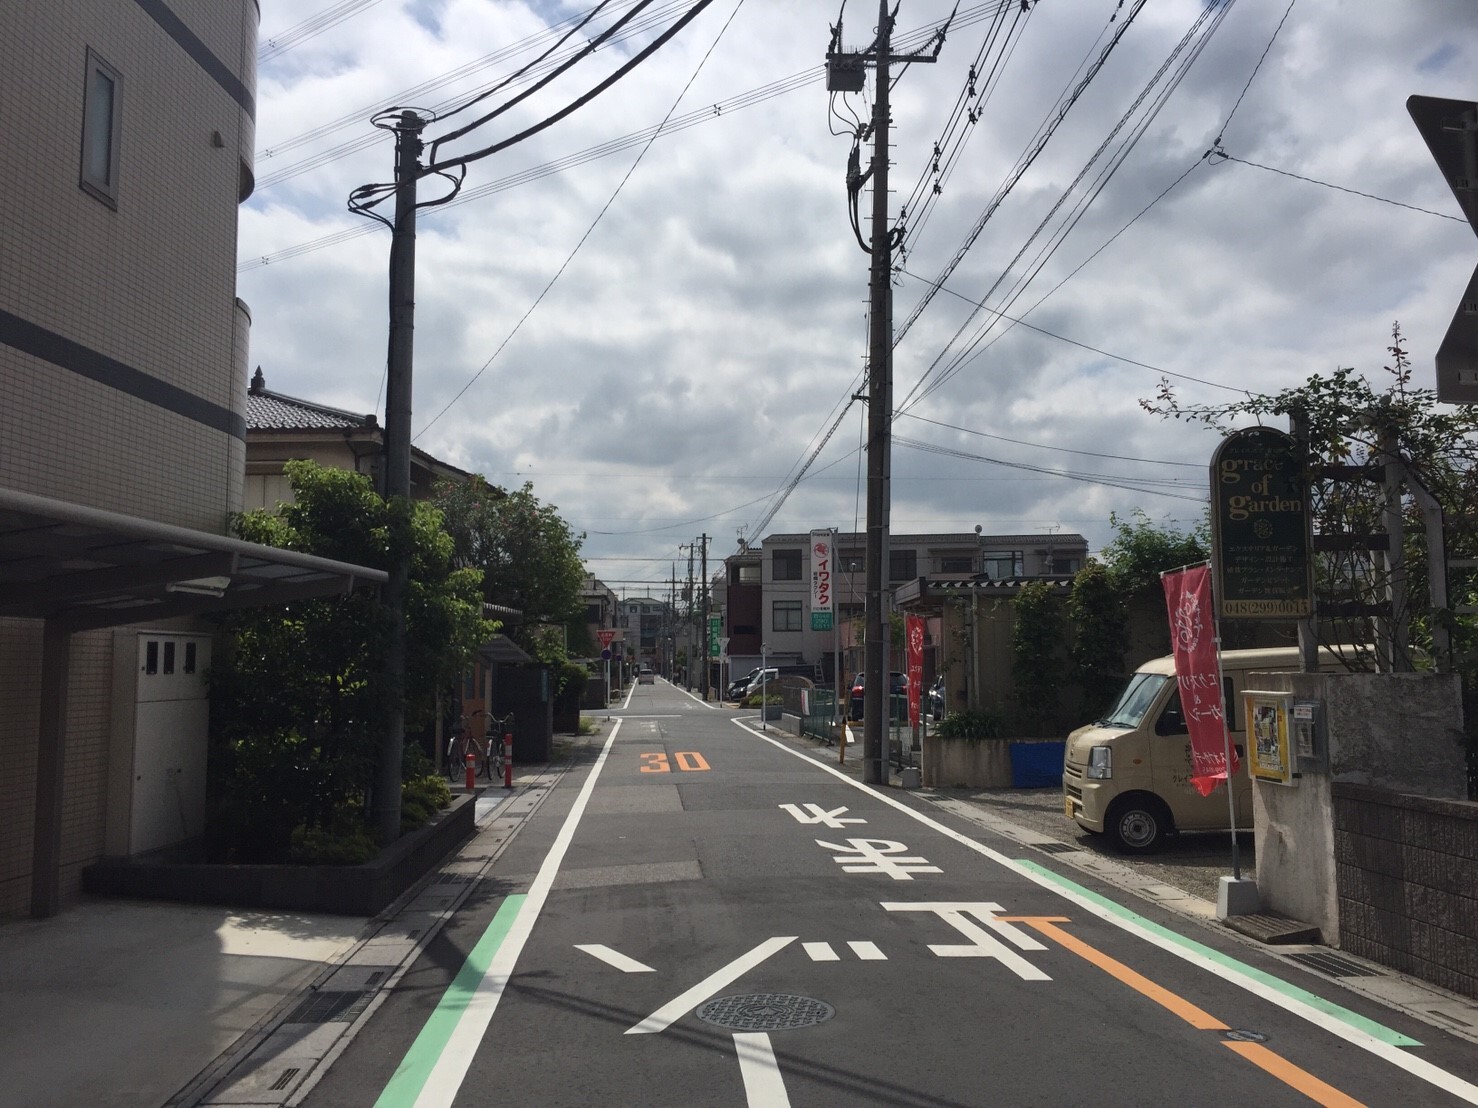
(700, 913)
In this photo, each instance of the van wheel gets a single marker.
(1138, 824)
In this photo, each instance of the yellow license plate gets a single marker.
(1067, 806)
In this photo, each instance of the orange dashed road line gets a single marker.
(1269, 1061)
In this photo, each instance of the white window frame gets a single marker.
(102, 186)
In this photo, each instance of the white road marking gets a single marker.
(982, 944)
(680, 1005)
(1243, 979)
(763, 1085)
(451, 1066)
(821, 952)
(878, 856)
(614, 958)
(868, 952)
(832, 819)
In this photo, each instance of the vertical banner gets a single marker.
(821, 578)
(715, 632)
(1193, 637)
(913, 630)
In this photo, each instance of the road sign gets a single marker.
(606, 654)
(1450, 128)
(605, 638)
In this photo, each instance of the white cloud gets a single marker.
(710, 325)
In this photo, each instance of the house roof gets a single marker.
(274, 411)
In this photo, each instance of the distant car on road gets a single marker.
(897, 686)
(645, 676)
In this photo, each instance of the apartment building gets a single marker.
(123, 361)
(767, 591)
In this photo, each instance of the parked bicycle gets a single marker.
(461, 742)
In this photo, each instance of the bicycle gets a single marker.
(462, 742)
(497, 728)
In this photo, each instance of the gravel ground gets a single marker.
(1191, 862)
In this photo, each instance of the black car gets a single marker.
(897, 686)
(934, 703)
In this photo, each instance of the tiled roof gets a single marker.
(274, 411)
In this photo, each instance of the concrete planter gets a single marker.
(772, 711)
(991, 763)
(347, 890)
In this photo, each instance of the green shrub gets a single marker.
(348, 844)
(421, 798)
(755, 700)
(971, 725)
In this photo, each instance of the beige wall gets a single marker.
(147, 293)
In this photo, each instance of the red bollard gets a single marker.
(508, 759)
(471, 772)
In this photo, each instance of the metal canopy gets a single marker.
(87, 568)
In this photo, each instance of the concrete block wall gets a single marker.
(1406, 872)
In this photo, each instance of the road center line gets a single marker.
(432, 1071)
(763, 1085)
(1354, 1028)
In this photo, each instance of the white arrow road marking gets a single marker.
(763, 1085)
(614, 958)
(679, 1006)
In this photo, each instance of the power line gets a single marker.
(698, 7)
(1217, 155)
(277, 45)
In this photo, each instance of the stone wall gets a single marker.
(1406, 871)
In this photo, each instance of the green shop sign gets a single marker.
(1260, 535)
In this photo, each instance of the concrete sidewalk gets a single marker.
(117, 1002)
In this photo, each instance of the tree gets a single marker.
(1036, 656)
(528, 557)
(294, 689)
(1099, 636)
(1140, 551)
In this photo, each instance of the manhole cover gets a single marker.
(765, 1012)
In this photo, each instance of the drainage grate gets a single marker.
(329, 1007)
(285, 1079)
(765, 1012)
(1056, 848)
(1333, 965)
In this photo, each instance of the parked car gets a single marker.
(934, 702)
(761, 677)
(737, 688)
(897, 686)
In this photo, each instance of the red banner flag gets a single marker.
(913, 630)
(1193, 639)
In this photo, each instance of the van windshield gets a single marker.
(1129, 710)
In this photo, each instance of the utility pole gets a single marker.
(705, 619)
(385, 797)
(844, 73)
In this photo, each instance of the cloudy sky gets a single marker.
(659, 333)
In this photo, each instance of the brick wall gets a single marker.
(1406, 872)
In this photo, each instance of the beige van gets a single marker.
(1129, 774)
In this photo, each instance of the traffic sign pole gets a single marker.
(1450, 129)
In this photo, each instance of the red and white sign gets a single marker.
(605, 637)
(821, 577)
(1193, 639)
(913, 631)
